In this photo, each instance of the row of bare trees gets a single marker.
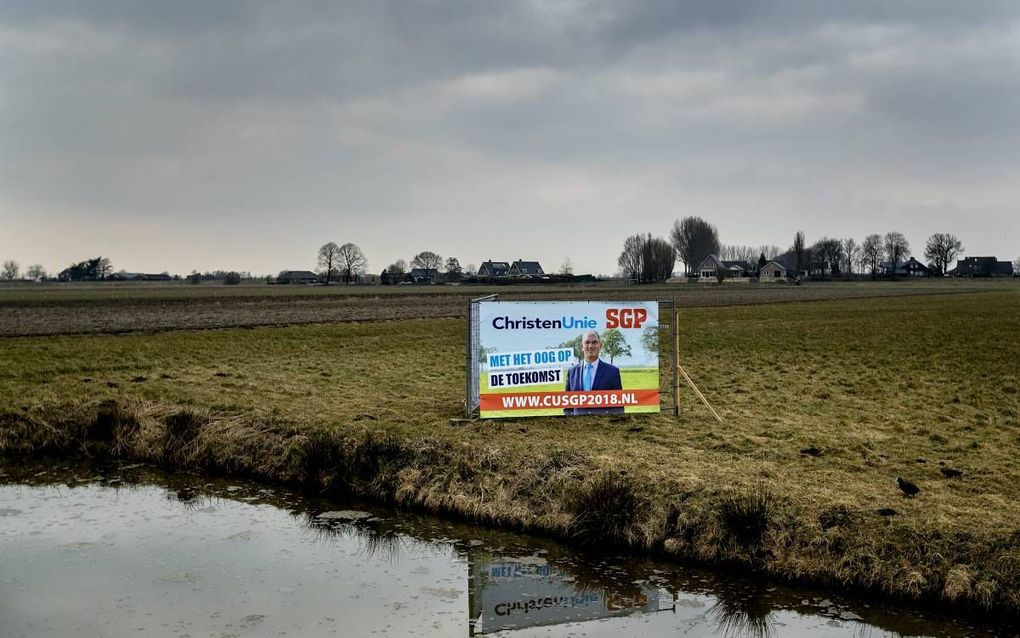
(692, 239)
(344, 262)
(646, 259)
(843, 256)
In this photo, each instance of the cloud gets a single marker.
(536, 114)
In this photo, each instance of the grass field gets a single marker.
(824, 403)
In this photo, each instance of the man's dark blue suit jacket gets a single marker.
(607, 377)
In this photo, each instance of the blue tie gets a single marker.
(587, 376)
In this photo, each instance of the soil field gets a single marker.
(53, 309)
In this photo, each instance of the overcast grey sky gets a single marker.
(243, 135)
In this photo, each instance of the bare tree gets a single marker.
(798, 251)
(657, 259)
(851, 252)
(36, 272)
(470, 271)
(896, 249)
(453, 270)
(329, 260)
(104, 268)
(738, 253)
(351, 262)
(567, 268)
(693, 239)
(771, 251)
(427, 260)
(941, 249)
(646, 259)
(398, 268)
(11, 270)
(871, 250)
(630, 260)
(1016, 267)
(830, 252)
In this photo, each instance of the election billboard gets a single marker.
(568, 358)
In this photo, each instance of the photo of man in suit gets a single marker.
(593, 374)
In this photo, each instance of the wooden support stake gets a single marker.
(676, 360)
(700, 395)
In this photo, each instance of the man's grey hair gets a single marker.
(591, 332)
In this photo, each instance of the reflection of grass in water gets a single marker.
(190, 499)
(374, 542)
(743, 615)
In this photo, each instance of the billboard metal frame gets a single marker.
(473, 361)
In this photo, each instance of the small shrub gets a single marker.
(746, 517)
(603, 509)
(179, 435)
(114, 426)
(375, 462)
(321, 457)
(337, 464)
(102, 427)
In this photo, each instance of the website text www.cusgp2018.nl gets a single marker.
(569, 400)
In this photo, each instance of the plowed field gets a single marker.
(79, 309)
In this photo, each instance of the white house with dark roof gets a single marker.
(712, 263)
(772, 272)
(494, 269)
(522, 268)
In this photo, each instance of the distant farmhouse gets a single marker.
(526, 269)
(909, 268)
(504, 271)
(813, 268)
(490, 272)
(981, 267)
(297, 277)
(138, 276)
(772, 272)
(491, 269)
(712, 264)
(422, 276)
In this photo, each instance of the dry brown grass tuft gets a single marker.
(113, 426)
(603, 509)
(180, 434)
(746, 517)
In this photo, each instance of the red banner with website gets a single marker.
(569, 400)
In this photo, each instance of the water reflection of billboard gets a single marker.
(514, 593)
(560, 357)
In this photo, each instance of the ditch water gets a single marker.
(133, 551)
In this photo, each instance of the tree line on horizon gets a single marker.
(645, 258)
(649, 259)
